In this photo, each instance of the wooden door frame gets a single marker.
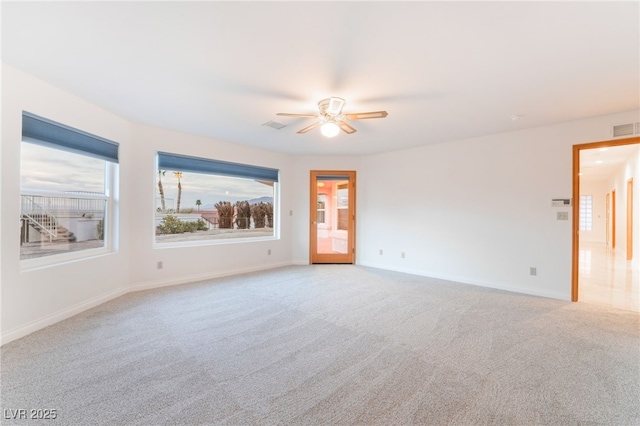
(630, 218)
(608, 218)
(350, 256)
(575, 244)
(613, 218)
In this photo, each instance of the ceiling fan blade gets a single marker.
(366, 115)
(346, 128)
(306, 129)
(286, 114)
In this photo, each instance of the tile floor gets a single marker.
(607, 278)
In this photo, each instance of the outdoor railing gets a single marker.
(55, 202)
(42, 210)
(39, 217)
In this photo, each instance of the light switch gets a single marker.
(562, 216)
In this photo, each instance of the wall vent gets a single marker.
(629, 129)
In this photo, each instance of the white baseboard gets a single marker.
(148, 285)
(48, 320)
(466, 280)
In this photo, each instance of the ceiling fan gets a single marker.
(331, 119)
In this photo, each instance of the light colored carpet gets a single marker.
(330, 344)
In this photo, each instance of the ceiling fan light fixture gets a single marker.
(330, 129)
(330, 118)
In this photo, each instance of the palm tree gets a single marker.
(225, 214)
(258, 212)
(269, 214)
(179, 176)
(161, 189)
(243, 216)
(198, 203)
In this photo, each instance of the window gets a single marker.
(322, 208)
(67, 204)
(343, 206)
(204, 200)
(586, 212)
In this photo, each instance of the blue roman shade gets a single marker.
(184, 163)
(45, 132)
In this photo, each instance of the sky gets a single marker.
(44, 168)
(210, 189)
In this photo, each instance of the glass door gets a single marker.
(332, 217)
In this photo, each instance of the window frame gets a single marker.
(53, 135)
(200, 162)
(110, 220)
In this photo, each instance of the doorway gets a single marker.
(332, 216)
(615, 268)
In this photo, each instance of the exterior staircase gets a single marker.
(46, 224)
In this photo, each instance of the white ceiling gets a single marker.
(443, 70)
(603, 163)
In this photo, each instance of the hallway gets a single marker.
(607, 278)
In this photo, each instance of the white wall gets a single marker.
(598, 190)
(479, 210)
(32, 299)
(475, 211)
(185, 264)
(631, 169)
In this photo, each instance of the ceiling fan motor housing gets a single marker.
(331, 106)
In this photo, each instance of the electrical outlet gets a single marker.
(402, 255)
(562, 215)
(159, 265)
(269, 252)
(533, 271)
(380, 252)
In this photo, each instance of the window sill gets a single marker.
(63, 258)
(212, 242)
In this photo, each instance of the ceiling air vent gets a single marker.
(274, 125)
(629, 129)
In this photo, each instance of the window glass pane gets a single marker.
(343, 219)
(63, 202)
(55, 225)
(47, 168)
(322, 202)
(343, 206)
(343, 196)
(586, 212)
(333, 195)
(199, 207)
